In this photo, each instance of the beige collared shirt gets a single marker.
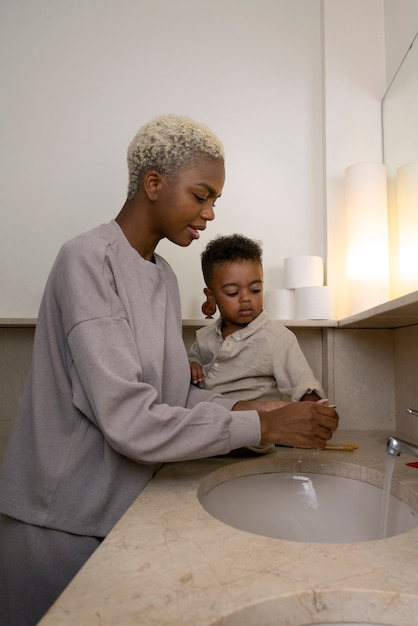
(263, 360)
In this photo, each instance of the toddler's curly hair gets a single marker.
(166, 144)
(229, 248)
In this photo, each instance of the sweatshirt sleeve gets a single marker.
(108, 387)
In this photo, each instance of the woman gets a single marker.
(109, 396)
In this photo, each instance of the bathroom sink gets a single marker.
(343, 607)
(306, 506)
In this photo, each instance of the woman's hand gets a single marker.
(299, 424)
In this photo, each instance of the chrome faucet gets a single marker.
(395, 445)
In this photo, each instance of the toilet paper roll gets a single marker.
(314, 303)
(280, 304)
(303, 271)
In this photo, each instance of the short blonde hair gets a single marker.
(166, 144)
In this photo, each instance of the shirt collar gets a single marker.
(257, 323)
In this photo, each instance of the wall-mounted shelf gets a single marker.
(396, 313)
(197, 323)
(22, 322)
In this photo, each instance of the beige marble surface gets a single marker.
(168, 562)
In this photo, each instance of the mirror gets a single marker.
(400, 114)
(400, 147)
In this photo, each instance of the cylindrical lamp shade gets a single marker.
(407, 211)
(367, 236)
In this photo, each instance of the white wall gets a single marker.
(354, 84)
(363, 45)
(401, 26)
(293, 88)
(80, 77)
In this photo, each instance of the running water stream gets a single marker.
(387, 483)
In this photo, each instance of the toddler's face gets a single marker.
(237, 287)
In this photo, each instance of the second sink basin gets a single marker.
(312, 507)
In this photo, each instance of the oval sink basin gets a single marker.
(334, 607)
(306, 507)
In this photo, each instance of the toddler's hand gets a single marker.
(196, 373)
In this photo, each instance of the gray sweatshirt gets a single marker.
(109, 397)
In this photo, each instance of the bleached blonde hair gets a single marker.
(166, 144)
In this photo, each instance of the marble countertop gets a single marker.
(168, 562)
